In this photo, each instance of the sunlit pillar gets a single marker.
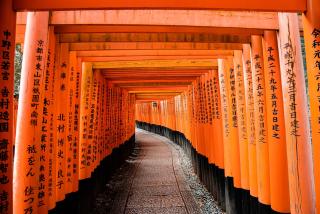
(299, 152)
(48, 129)
(279, 186)
(61, 97)
(311, 29)
(260, 114)
(242, 118)
(252, 148)
(27, 172)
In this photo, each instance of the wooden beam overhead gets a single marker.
(149, 84)
(92, 46)
(252, 5)
(174, 18)
(134, 58)
(155, 52)
(152, 37)
(205, 63)
(133, 71)
(143, 99)
(94, 28)
(146, 78)
(139, 81)
(174, 89)
(154, 93)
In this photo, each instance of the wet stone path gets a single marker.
(152, 180)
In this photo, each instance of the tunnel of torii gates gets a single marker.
(224, 79)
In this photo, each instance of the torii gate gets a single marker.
(187, 59)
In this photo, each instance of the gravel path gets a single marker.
(157, 178)
(202, 197)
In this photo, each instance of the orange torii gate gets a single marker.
(65, 126)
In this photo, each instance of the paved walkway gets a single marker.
(156, 184)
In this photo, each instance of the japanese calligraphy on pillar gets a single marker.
(224, 101)
(239, 85)
(7, 47)
(273, 88)
(223, 66)
(70, 122)
(210, 100)
(218, 119)
(311, 31)
(44, 155)
(249, 101)
(292, 90)
(75, 121)
(315, 72)
(86, 81)
(62, 118)
(52, 125)
(216, 101)
(250, 120)
(296, 116)
(242, 118)
(92, 108)
(233, 103)
(36, 121)
(260, 100)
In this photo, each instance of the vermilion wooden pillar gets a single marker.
(223, 81)
(28, 138)
(299, 152)
(7, 49)
(311, 29)
(86, 81)
(279, 186)
(93, 131)
(75, 65)
(62, 72)
(196, 115)
(242, 119)
(235, 154)
(71, 125)
(261, 133)
(217, 120)
(211, 116)
(47, 144)
(252, 148)
(51, 77)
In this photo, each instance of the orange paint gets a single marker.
(226, 126)
(294, 6)
(279, 186)
(233, 117)
(45, 176)
(52, 138)
(71, 125)
(261, 132)
(311, 29)
(302, 193)
(252, 156)
(28, 138)
(210, 122)
(217, 118)
(62, 70)
(242, 119)
(86, 79)
(7, 119)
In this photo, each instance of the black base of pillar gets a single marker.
(82, 201)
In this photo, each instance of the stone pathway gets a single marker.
(152, 181)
